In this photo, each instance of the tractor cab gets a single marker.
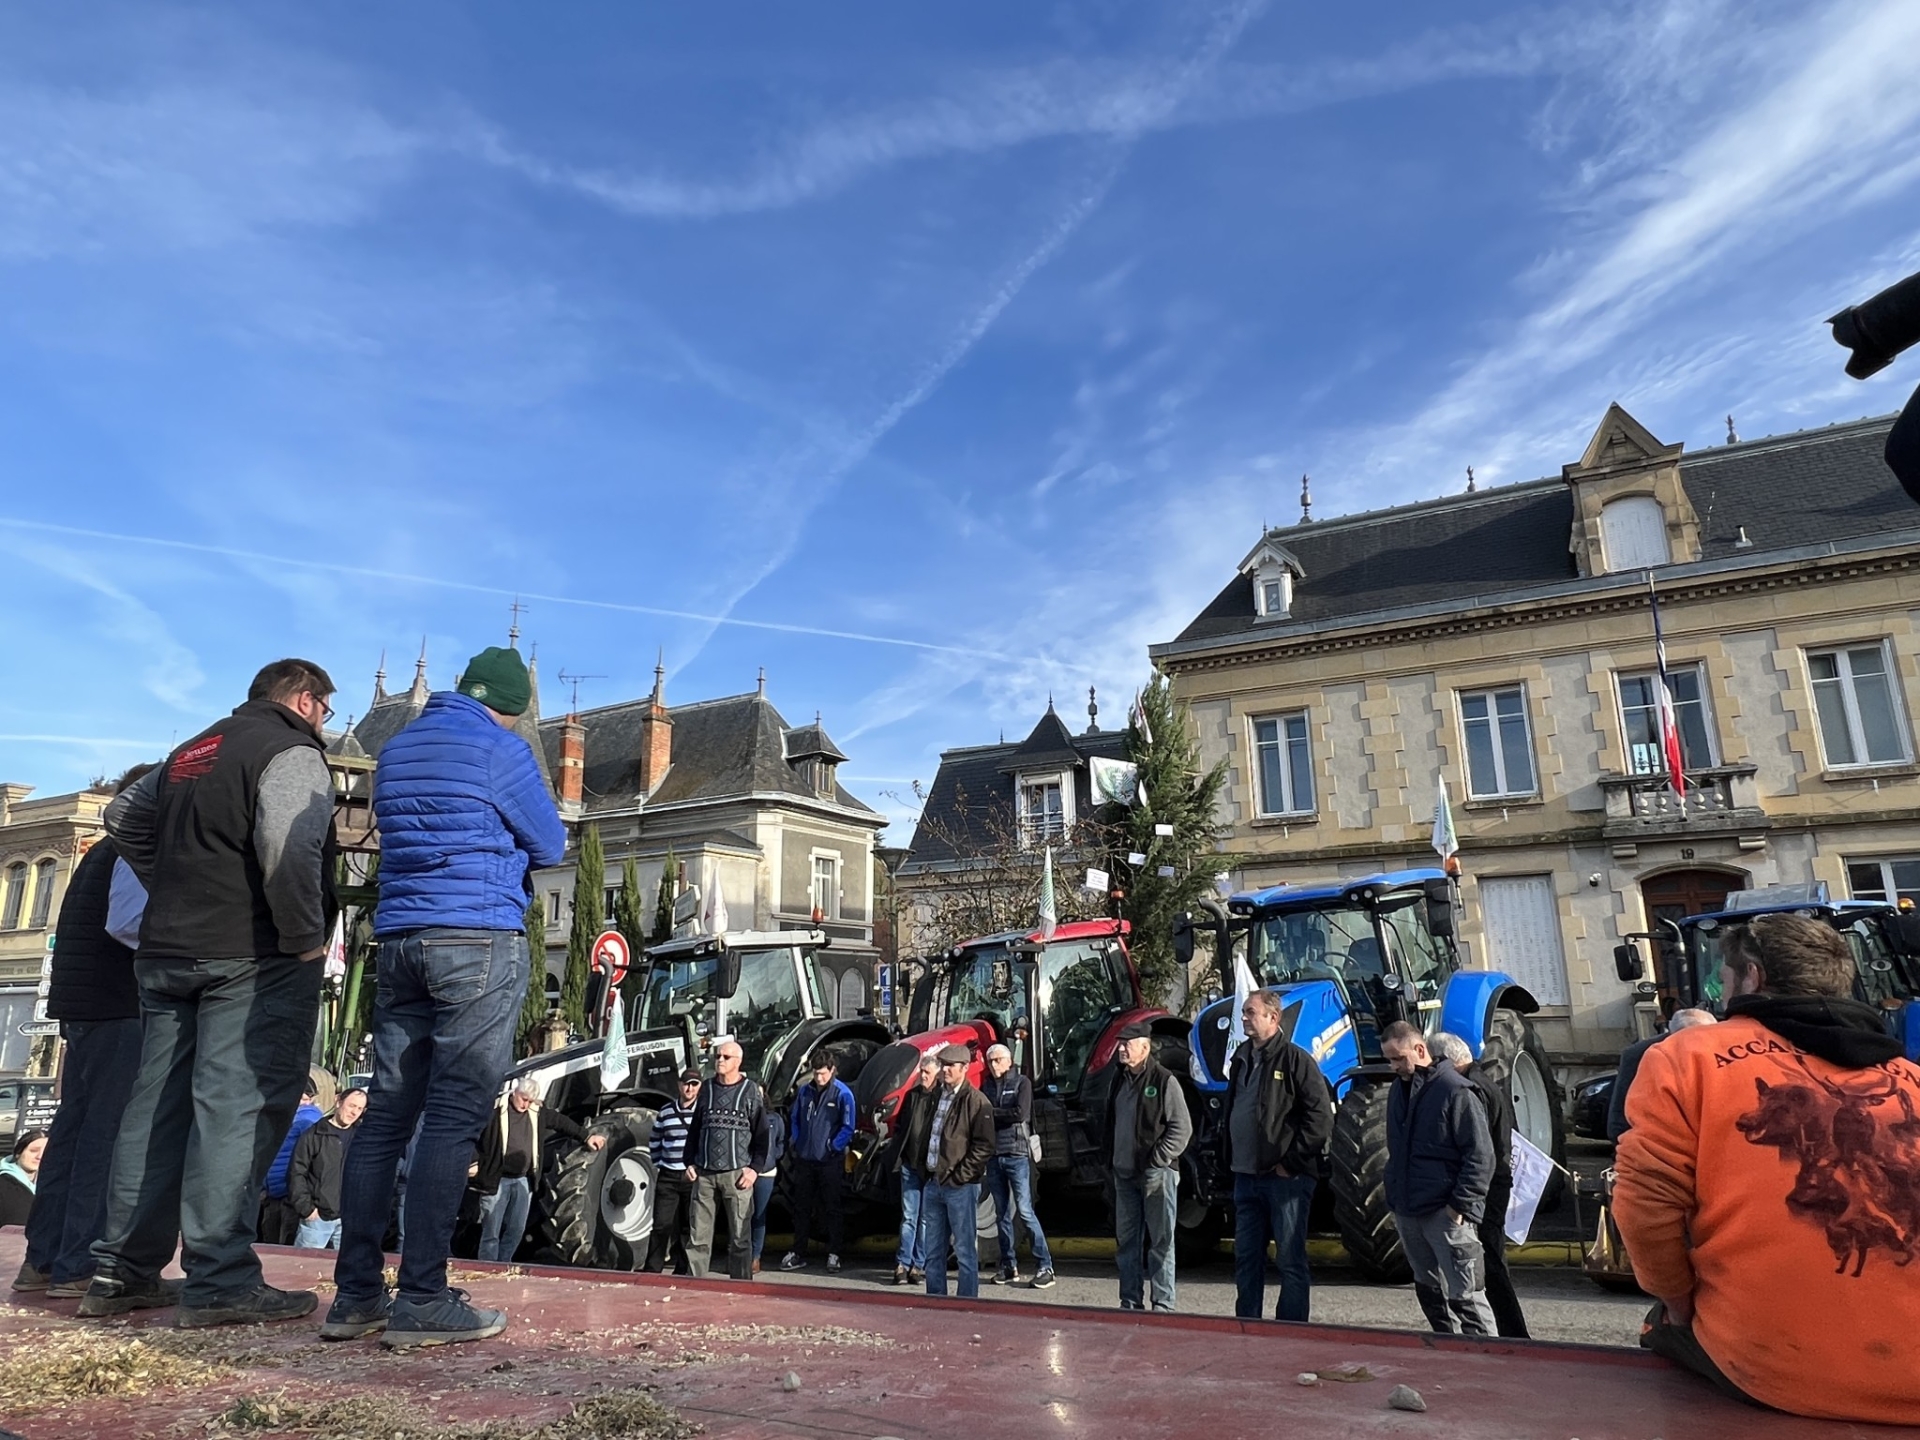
(1884, 939)
(757, 988)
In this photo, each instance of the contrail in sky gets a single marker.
(366, 572)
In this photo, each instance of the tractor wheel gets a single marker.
(596, 1206)
(1360, 1186)
(1514, 1056)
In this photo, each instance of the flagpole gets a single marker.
(1669, 726)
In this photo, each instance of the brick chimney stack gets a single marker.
(571, 781)
(656, 734)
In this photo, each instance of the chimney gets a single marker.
(656, 734)
(571, 781)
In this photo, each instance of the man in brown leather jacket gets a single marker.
(959, 1144)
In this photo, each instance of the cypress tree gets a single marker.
(1179, 794)
(533, 1008)
(627, 920)
(663, 903)
(589, 919)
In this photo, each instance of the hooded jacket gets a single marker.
(1772, 1172)
(464, 816)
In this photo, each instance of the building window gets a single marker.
(1853, 696)
(16, 1009)
(1891, 880)
(1042, 816)
(1633, 532)
(16, 897)
(42, 895)
(826, 886)
(1285, 765)
(610, 902)
(554, 913)
(1640, 721)
(1499, 750)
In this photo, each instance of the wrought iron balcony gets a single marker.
(1721, 799)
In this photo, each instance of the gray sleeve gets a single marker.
(1179, 1128)
(126, 905)
(133, 820)
(291, 818)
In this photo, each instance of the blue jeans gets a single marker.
(70, 1200)
(223, 1058)
(762, 1198)
(950, 1213)
(444, 1018)
(1145, 1209)
(318, 1235)
(1010, 1177)
(1266, 1207)
(911, 1252)
(503, 1218)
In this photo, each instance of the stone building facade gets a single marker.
(1502, 642)
(41, 841)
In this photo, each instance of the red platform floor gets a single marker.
(889, 1363)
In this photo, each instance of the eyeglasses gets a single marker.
(326, 710)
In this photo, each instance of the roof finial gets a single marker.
(660, 677)
(1049, 702)
(1733, 436)
(1306, 502)
(760, 686)
(419, 690)
(513, 629)
(1471, 487)
(380, 679)
(1093, 711)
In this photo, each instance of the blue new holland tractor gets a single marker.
(1348, 958)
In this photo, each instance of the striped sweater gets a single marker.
(667, 1146)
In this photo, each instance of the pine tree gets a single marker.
(1180, 795)
(533, 1009)
(663, 905)
(589, 919)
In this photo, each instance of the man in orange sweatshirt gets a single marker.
(1769, 1190)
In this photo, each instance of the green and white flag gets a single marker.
(1049, 918)
(1445, 842)
(1113, 782)
(615, 1063)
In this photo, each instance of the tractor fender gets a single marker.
(853, 1042)
(1470, 998)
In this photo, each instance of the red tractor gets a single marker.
(1058, 1004)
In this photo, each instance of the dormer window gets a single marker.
(1272, 568)
(1633, 533)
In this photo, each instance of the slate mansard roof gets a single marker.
(969, 808)
(1808, 488)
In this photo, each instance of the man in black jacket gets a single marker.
(959, 1144)
(507, 1164)
(1279, 1127)
(313, 1174)
(1147, 1131)
(726, 1151)
(1439, 1169)
(1010, 1171)
(907, 1157)
(93, 994)
(1497, 1101)
(233, 838)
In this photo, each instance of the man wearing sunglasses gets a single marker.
(233, 839)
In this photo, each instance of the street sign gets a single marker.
(39, 1027)
(611, 956)
(883, 980)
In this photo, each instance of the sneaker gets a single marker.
(791, 1261)
(901, 1275)
(261, 1305)
(444, 1320)
(29, 1278)
(1006, 1277)
(117, 1297)
(350, 1320)
(1043, 1278)
(69, 1289)
(833, 1264)
(917, 1276)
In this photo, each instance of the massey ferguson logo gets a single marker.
(194, 761)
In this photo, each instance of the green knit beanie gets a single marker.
(497, 678)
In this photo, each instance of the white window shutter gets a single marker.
(1522, 922)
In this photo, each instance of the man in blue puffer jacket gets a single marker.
(463, 816)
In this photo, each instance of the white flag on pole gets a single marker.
(1243, 986)
(1113, 782)
(1532, 1169)
(614, 1060)
(336, 962)
(715, 919)
(1049, 916)
(1139, 717)
(1445, 842)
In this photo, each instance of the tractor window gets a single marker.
(970, 991)
(1874, 963)
(1420, 951)
(767, 1006)
(1707, 951)
(676, 988)
(1331, 944)
(1080, 985)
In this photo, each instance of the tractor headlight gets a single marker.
(1197, 1069)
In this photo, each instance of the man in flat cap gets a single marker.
(1148, 1129)
(959, 1144)
(463, 816)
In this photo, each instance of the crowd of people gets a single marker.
(1753, 1153)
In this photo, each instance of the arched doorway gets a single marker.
(1674, 895)
(853, 993)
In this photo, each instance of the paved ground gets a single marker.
(1561, 1304)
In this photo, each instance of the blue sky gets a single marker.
(935, 358)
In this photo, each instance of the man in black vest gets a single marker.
(233, 838)
(1148, 1129)
(726, 1151)
(93, 995)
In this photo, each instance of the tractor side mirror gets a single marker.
(1183, 937)
(1440, 908)
(726, 976)
(1626, 961)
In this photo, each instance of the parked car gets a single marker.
(1591, 1100)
